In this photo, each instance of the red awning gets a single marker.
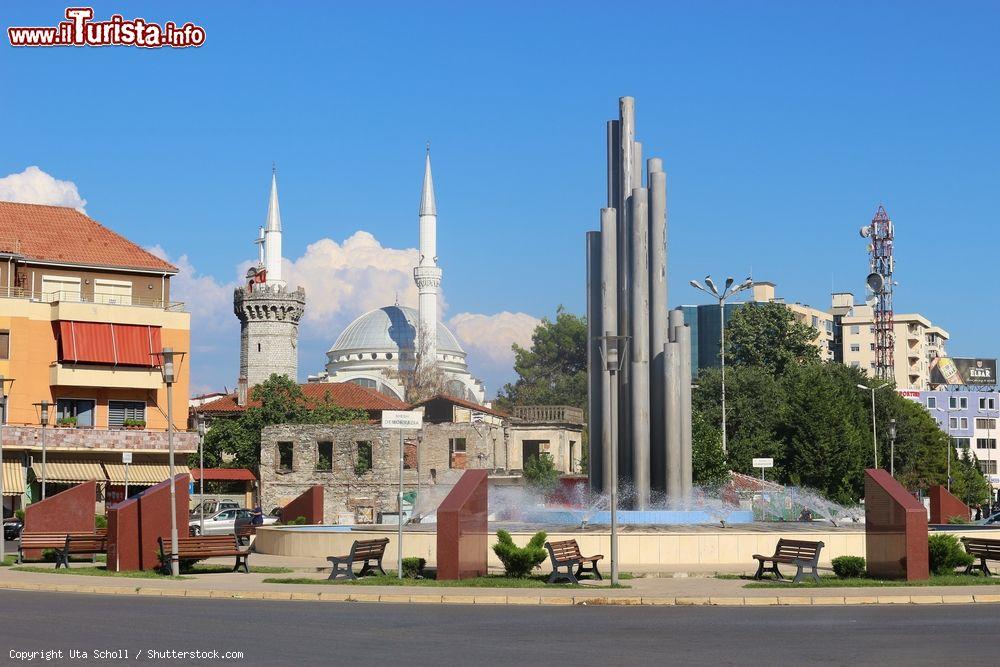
(223, 474)
(103, 343)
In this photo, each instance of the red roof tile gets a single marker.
(461, 402)
(64, 235)
(344, 394)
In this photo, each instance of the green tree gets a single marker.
(767, 336)
(553, 371)
(540, 473)
(281, 402)
(708, 463)
(968, 482)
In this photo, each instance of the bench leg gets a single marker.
(986, 568)
(62, 559)
(777, 572)
(597, 573)
(338, 571)
(567, 575)
(760, 569)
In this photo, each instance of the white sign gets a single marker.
(763, 463)
(126, 457)
(402, 419)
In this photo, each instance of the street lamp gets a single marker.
(874, 432)
(892, 447)
(727, 292)
(202, 428)
(167, 369)
(614, 351)
(3, 420)
(951, 445)
(43, 419)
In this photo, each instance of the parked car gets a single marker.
(989, 521)
(224, 522)
(12, 528)
(213, 505)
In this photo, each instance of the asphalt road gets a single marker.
(306, 633)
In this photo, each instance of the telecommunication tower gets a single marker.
(880, 265)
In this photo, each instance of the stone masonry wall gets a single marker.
(104, 440)
(269, 331)
(365, 495)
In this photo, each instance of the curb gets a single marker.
(519, 600)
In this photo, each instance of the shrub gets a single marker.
(19, 514)
(957, 519)
(540, 473)
(413, 567)
(849, 567)
(945, 553)
(518, 562)
(100, 521)
(297, 521)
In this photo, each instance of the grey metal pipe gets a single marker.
(626, 181)
(640, 348)
(658, 336)
(683, 336)
(671, 409)
(595, 389)
(609, 315)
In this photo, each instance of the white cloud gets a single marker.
(209, 301)
(488, 338)
(34, 186)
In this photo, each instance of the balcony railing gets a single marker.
(68, 296)
(562, 414)
(99, 439)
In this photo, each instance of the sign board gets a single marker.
(126, 457)
(763, 463)
(963, 371)
(402, 419)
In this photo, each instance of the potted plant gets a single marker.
(66, 422)
(134, 424)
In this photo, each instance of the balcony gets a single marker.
(112, 377)
(60, 297)
(555, 414)
(93, 439)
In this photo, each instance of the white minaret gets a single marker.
(427, 274)
(272, 236)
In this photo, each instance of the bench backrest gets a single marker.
(202, 544)
(49, 540)
(564, 550)
(800, 549)
(982, 546)
(86, 544)
(245, 530)
(368, 548)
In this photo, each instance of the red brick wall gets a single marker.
(462, 528)
(944, 505)
(895, 529)
(135, 525)
(71, 511)
(309, 505)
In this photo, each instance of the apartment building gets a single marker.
(970, 420)
(917, 341)
(84, 314)
(819, 320)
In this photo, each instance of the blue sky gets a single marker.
(781, 126)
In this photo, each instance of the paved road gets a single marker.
(306, 633)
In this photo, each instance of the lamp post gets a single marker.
(727, 292)
(3, 420)
(167, 369)
(202, 429)
(892, 448)
(43, 419)
(614, 351)
(951, 445)
(874, 431)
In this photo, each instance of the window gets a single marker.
(113, 291)
(456, 444)
(829, 326)
(964, 422)
(963, 402)
(60, 288)
(285, 457)
(855, 364)
(960, 443)
(952, 402)
(953, 422)
(363, 462)
(986, 443)
(855, 347)
(855, 330)
(4, 345)
(815, 322)
(988, 424)
(931, 402)
(988, 467)
(80, 410)
(324, 456)
(120, 412)
(984, 403)
(872, 346)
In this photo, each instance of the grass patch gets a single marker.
(95, 571)
(489, 581)
(254, 569)
(832, 581)
(8, 561)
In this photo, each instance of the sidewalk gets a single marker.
(662, 590)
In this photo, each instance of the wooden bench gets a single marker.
(85, 544)
(567, 554)
(205, 546)
(984, 549)
(368, 552)
(55, 541)
(800, 553)
(245, 532)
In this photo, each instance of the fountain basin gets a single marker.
(639, 517)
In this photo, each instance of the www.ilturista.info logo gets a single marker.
(80, 30)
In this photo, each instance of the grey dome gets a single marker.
(390, 328)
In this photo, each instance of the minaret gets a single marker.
(272, 235)
(427, 274)
(268, 311)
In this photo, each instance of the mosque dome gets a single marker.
(388, 330)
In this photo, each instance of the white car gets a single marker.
(224, 522)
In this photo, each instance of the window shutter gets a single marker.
(117, 411)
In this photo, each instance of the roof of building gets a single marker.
(64, 235)
(223, 474)
(461, 402)
(391, 328)
(343, 394)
